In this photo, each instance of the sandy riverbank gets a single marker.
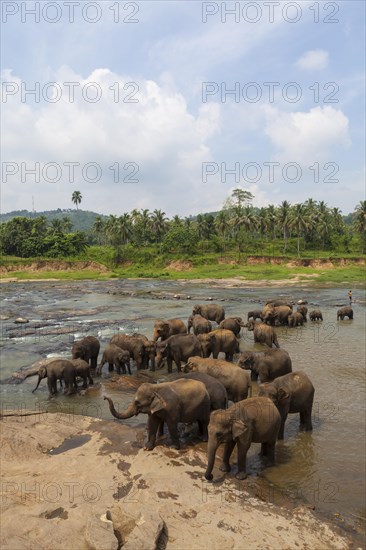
(107, 492)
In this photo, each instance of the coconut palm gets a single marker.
(76, 198)
(299, 221)
(283, 214)
(99, 228)
(158, 224)
(359, 223)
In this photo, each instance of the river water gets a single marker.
(325, 468)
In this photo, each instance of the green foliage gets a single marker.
(180, 239)
(26, 237)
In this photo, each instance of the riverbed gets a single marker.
(324, 469)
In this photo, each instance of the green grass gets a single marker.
(149, 263)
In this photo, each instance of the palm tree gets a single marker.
(76, 198)
(66, 224)
(158, 223)
(222, 223)
(283, 214)
(56, 226)
(299, 220)
(99, 228)
(359, 223)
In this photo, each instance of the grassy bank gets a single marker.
(98, 263)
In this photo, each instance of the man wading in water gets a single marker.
(350, 296)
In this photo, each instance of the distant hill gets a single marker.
(82, 220)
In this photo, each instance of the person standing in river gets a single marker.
(350, 297)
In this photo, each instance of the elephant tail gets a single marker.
(39, 380)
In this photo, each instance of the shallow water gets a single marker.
(324, 468)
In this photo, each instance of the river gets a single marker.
(324, 469)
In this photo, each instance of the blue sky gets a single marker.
(179, 141)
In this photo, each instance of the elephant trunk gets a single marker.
(211, 453)
(39, 380)
(129, 412)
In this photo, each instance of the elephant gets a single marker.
(178, 348)
(83, 371)
(255, 314)
(200, 324)
(343, 312)
(316, 315)
(164, 329)
(59, 369)
(88, 349)
(236, 381)
(295, 319)
(219, 340)
(234, 324)
(303, 310)
(115, 357)
(170, 402)
(263, 334)
(133, 345)
(212, 312)
(215, 390)
(280, 302)
(291, 393)
(267, 365)
(149, 350)
(276, 315)
(254, 420)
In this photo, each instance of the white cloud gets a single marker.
(157, 132)
(313, 60)
(307, 137)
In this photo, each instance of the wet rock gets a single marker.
(99, 534)
(146, 533)
(21, 320)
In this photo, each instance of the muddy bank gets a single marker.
(77, 482)
(54, 265)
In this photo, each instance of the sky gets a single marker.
(173, 104)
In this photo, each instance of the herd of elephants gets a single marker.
(203, 385)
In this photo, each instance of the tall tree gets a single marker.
(359, 223)
(76, 198)
(283, 218)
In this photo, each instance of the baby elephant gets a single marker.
(254, 420)
(59, 369)
(82, 371)
(291, 393)
(115, 357)
(296, 319)
(316, 315)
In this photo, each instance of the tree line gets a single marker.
(237, 226)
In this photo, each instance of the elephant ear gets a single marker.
(42, 372)
(158, 403)
(238, 429)
(282, 396)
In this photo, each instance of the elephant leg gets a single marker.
(153, 423)
(169, 361)
(85, 384)
(242, 459)
(215, 354)
(91, 381)
(268, 451)
(202, 429)
(178, 363)
(129, 368)
(152, 365)
(161, 428)
(305, 420)
(281, 433)
(110, 367)
(228, 449)
(173, 432)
